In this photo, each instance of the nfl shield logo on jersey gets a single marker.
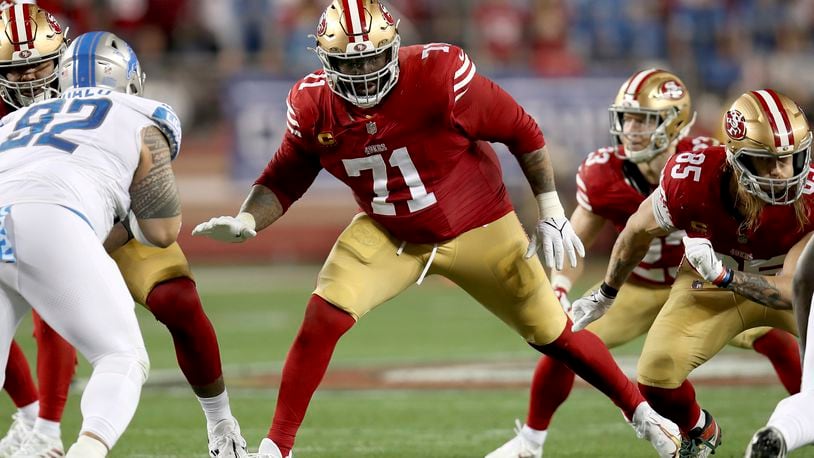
(371, 128)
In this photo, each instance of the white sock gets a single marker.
(87, 447)
(702, 420)
(535, 435)
(47, 427)
(215, 409)
(793, 416)
(30, 412)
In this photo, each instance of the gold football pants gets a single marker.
(144, 266)
(634, 310)
(367, 266)
(695, 324)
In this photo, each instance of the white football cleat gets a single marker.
(268, 449)
(662, 433)
(15, 436)
(521, 445)
(38, 445)
(225, 440)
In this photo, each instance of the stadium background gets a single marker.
(395, 387)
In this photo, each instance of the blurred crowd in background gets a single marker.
(226, 65)
(719, 47)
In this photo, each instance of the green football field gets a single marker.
(256, 312)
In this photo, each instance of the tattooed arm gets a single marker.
(633, 243)
(777, 291)
(537, 168)
(153, 193)
(263, 205)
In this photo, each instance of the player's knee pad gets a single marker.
(133, 364)
(175, 303)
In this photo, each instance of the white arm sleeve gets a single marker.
(661, 212)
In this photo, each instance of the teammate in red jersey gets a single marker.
(649, 120)
(751, 201)
(403, 129)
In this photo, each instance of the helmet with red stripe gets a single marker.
(31, 42)
(664, 104)
(357, 42)
(768, 142)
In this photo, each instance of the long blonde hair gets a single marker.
(750, 206)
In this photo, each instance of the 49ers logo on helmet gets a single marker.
(735, 125)
(52, 21)
(386, 15)
(672, 90)
(322, 27)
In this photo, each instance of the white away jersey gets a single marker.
(80, 151)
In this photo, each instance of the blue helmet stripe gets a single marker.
(84, 55)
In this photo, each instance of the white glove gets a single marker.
(702, 257)
(556, 236)
(232, 229)
(590, 308)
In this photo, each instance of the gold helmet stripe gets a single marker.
(20, 18)
(776, 114)
(355, 20)
(636, 83)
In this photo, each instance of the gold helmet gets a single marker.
(664, 100)
(357, 42)
(30, 36)
(767, 124)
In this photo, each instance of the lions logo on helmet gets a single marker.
(31, 42)
(765, 124)
(357, 42)
(664, 101)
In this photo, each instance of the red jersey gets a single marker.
(694, 196)
(415, 161)
(610, 186)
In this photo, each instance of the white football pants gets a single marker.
(59, 268)
(794, 415)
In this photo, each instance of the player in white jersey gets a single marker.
(791, 425)
(68, 168)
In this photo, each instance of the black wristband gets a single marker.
(608, 290)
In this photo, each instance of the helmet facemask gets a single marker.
(366, 89)
(659, 140)
(19, 93)
(774, 191)
(32, 42)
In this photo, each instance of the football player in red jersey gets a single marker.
(750, 200)
(159, 278)
(650, 118)
(791, 425)
(403, 128)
